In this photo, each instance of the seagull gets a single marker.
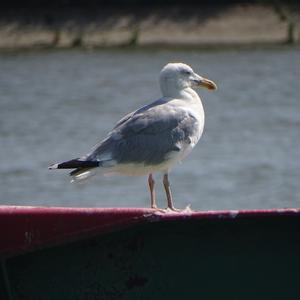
(153, 138)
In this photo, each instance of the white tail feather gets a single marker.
(83, 176)
(52, 167)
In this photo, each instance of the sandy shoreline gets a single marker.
(205, 26)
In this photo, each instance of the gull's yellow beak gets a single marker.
(209, 84)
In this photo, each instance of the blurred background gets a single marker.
(71, 69)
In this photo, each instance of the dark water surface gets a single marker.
(55, 106)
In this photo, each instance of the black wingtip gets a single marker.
(74, 164)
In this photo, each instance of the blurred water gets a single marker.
(55, 106)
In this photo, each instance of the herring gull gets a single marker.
(153, 138)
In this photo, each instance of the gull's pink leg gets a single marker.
(151, 183)
(168, 192)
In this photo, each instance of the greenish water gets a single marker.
(55, 106)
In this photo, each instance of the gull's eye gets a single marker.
(186, 72)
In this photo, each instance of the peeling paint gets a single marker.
(29, 236)
(153, 217)
(233, 213)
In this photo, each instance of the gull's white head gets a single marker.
(175, 77)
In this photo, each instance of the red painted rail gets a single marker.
(25, 228)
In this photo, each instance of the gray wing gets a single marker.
(139, 111)
(148, 135)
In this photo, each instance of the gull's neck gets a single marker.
(190, 94)
(187, 94)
